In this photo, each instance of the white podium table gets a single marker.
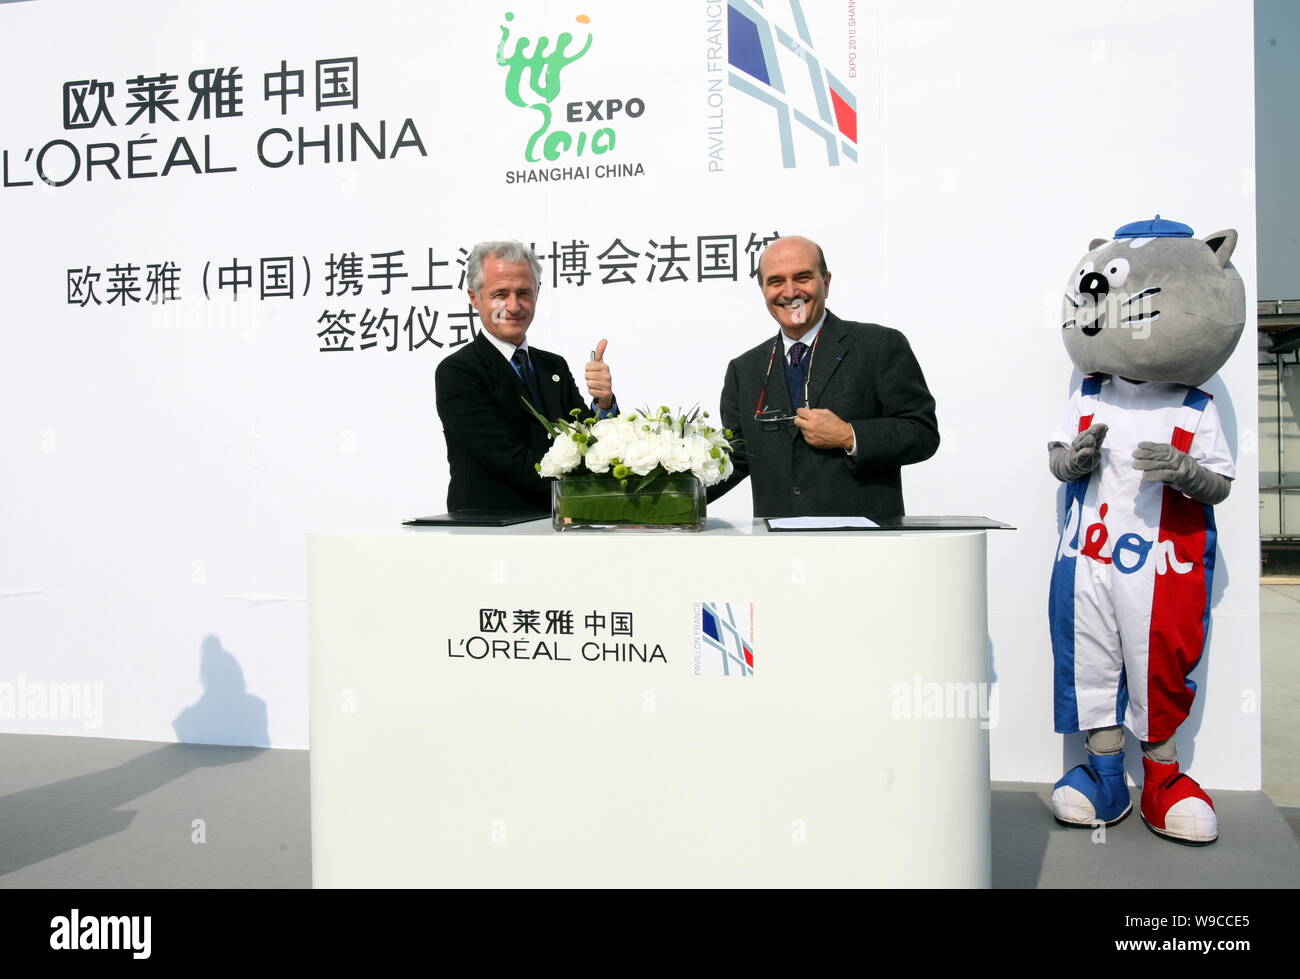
(461, 737)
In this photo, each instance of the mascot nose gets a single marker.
(1094, 284)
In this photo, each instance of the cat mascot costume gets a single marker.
(1147, 318)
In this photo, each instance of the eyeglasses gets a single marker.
(780, 414)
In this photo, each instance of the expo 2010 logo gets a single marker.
(534, 71)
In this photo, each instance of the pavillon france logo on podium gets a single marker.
(724, 639)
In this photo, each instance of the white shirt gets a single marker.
(506, 347)
(807, 338)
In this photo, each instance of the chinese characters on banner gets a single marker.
(358, 313)
(217, 93)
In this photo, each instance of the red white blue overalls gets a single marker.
(1129, 604)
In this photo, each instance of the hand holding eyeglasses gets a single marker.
(823, 429)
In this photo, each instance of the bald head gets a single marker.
(800, 245)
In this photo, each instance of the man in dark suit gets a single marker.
(493, 442)
(828, 409)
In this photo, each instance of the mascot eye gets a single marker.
(1116, 271)
(1084, 270)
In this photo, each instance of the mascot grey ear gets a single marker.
(1097, 243)
(1223, 244)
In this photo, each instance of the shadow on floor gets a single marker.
(1021, 824)
(43, 822)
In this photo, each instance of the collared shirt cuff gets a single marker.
(852, 451)
(609, 412)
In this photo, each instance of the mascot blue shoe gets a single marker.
(1092, 793)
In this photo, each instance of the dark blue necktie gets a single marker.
(795, 375)
(524, 368)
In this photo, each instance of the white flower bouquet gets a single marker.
(646, 468)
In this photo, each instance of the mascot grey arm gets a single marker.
(1161, 462)
(1080, 457)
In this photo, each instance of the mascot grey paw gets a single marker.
(1160, 462)
(1081, 457)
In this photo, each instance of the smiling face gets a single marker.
(506, 300)
(1155, 309)
(790, 273)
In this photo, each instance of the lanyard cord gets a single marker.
(807, 377)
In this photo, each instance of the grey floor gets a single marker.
(89, 812)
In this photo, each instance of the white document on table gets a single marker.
(819, 523)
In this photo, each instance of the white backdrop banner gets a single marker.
(233, 257)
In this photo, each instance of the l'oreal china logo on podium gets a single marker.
(571, 135)
(557, 635)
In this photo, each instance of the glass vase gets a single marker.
(601, 502)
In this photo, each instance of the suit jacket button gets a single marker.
(796, 491)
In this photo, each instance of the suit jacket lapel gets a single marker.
(507, 388)
(832, 348)
(546, 374)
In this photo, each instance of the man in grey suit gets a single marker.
(829, 410)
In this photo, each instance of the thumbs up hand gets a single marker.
(599, 384)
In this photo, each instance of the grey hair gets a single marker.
(506, 251)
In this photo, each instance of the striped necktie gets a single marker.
(795, 374)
